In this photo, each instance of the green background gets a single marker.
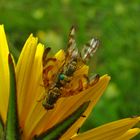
(115, 23)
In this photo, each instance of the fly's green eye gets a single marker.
(61, 76)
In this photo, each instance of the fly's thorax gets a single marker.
(66, 75)
(47, 106)
(53, 95)
(51, 98)
(70, 68)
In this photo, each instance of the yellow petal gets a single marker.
(23, 74)
(4, 74)
(37, 90)
(129, 134)
(65, 106)
(35, 84)
(93, 94)
(109, 131)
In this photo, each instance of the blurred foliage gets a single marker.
(116, 23)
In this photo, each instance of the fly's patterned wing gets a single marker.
(89, 49)
(71, 42)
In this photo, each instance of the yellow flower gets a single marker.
(68, 114)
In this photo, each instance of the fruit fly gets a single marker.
(61, 85)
